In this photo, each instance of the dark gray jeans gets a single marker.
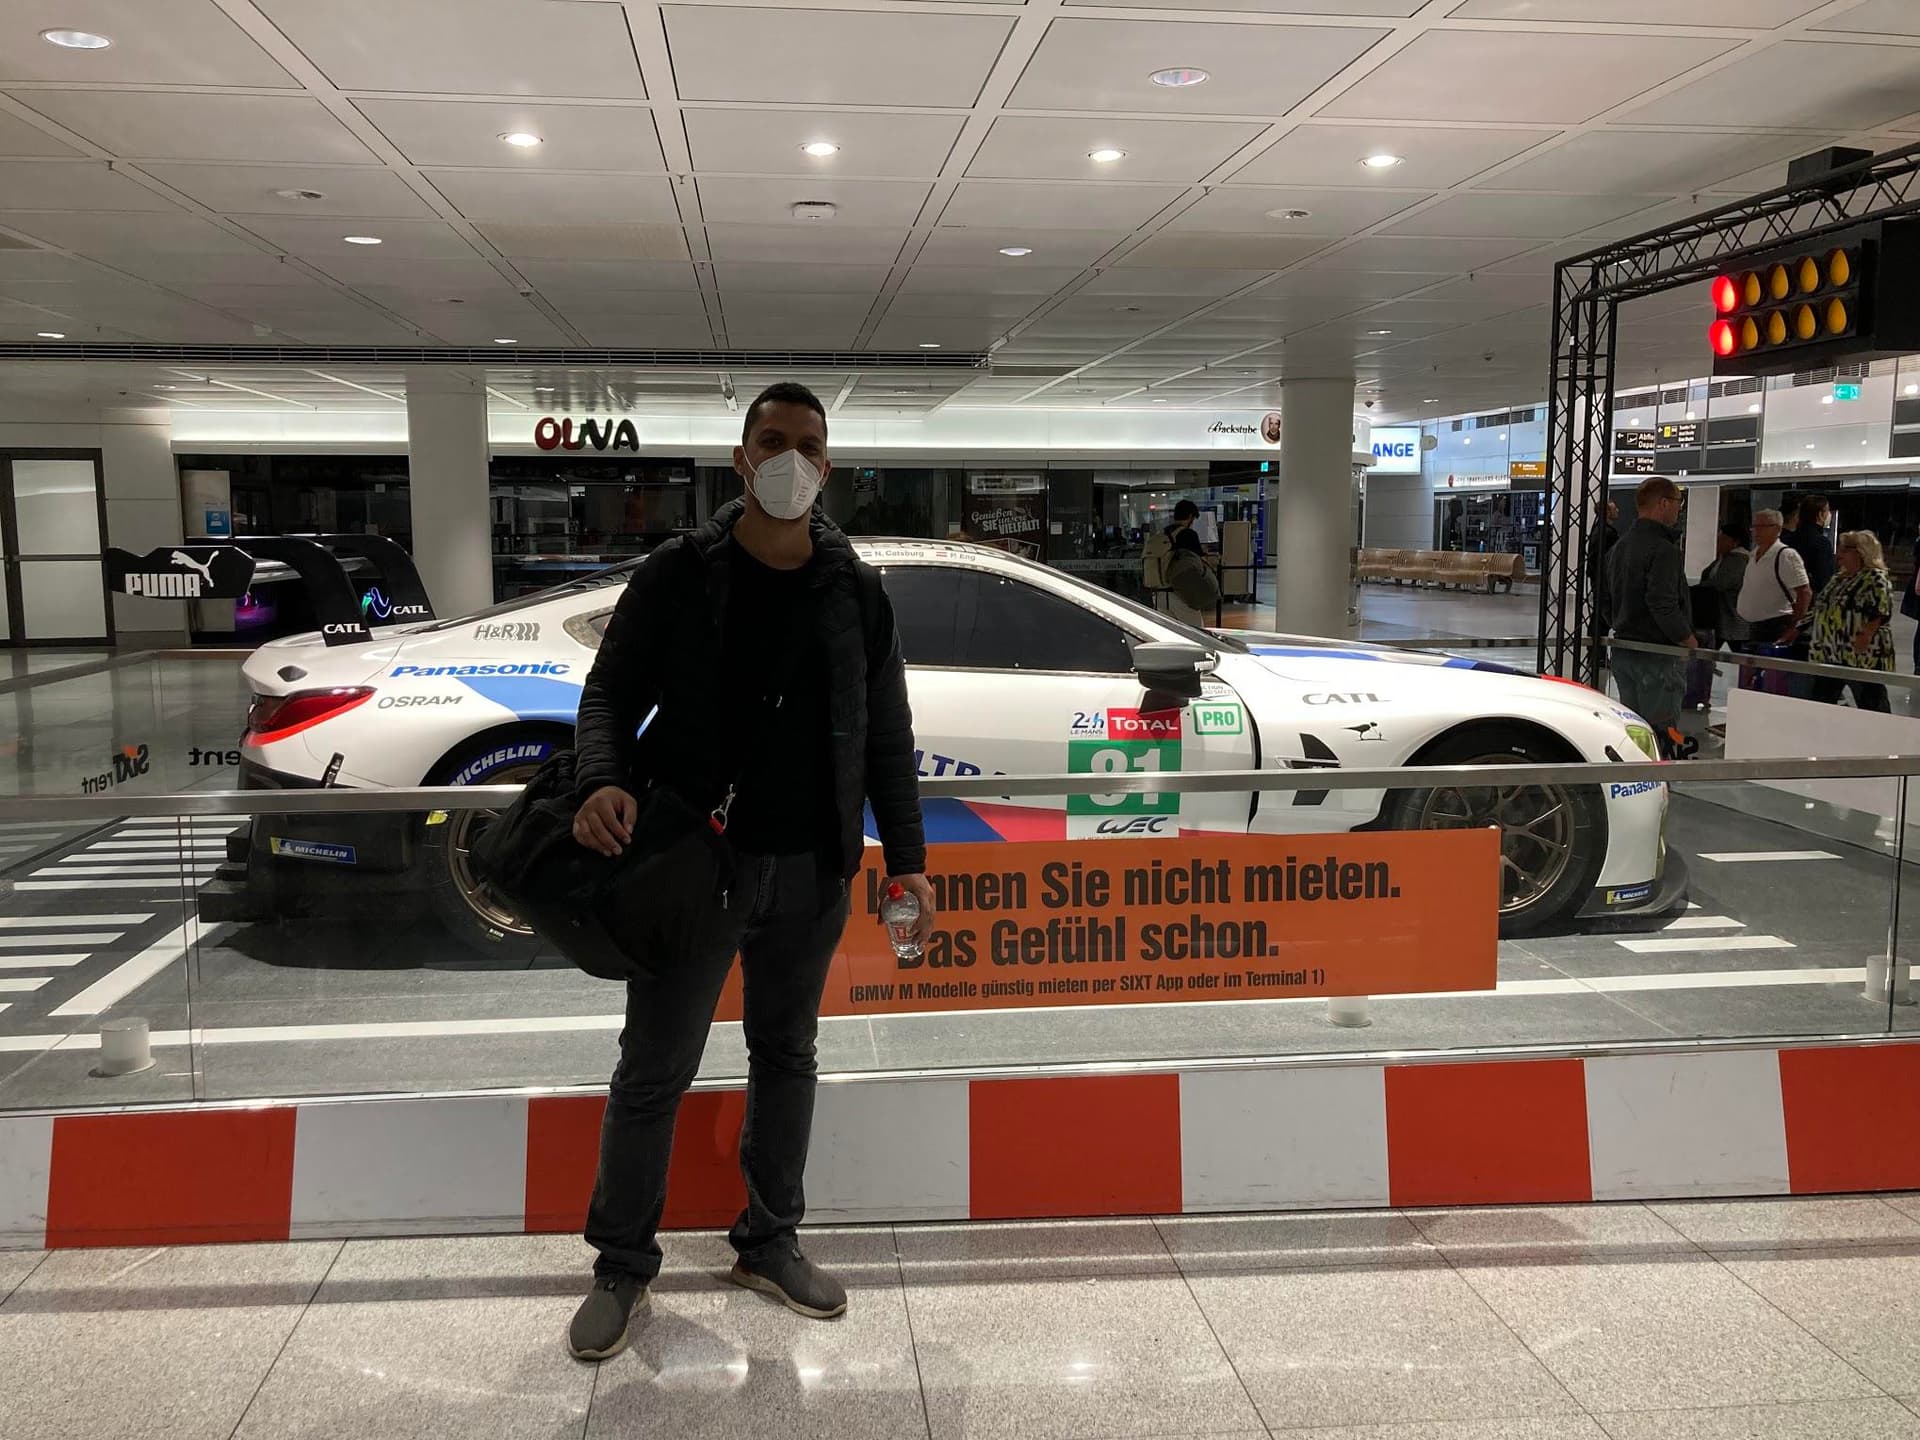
(786, 920)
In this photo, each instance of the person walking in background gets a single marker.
(1910, 607)
(1774, 594)
(1606, 534)
(1193, 591)
(1651, 605)
(1808, 538)
(1853, 622)
(1724, 576)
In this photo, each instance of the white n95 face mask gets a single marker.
(786, 485)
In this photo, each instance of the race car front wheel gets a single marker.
(462, 901)
(1553, 838)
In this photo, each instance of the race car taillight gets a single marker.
(275, 717)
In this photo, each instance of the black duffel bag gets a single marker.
(665, 894)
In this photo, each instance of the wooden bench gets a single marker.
(1440, 568)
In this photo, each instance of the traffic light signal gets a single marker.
(1847, 297)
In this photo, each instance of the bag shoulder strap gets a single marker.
(1786, 594)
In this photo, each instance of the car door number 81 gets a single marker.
(1123, 757)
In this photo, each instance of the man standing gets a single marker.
(1651, 604)
(770, 653)
(1808, 538)
(1775, 593)
(1606, 534)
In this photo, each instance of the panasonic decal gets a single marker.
(462, 672)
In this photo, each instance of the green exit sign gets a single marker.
(1846, 392)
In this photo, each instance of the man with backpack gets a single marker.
(754, 662)
(1775, 593)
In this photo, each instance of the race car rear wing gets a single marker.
(325, 563)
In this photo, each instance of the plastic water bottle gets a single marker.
(900, 913)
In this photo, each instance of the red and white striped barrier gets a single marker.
(1755, 1121)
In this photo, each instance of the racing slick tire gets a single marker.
(1553, 838)
(483, 922)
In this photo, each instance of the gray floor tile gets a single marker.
(1826, 1420)
(15, 1266)
(449, 1267)
(720, 1364)
(1863, 1303)
(1787, 1224)
(861, 1256)
(1534, 1427)
(1212, 1243)
(188, 1276)
(1569, 1231)
(1675, 1333)
(108, 1373)
(1023, 1251)
(1371, 1347)
(416, 1369)
(1083, 1357)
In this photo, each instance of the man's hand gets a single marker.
(916, 886)
(605, 822)
(1692, 642)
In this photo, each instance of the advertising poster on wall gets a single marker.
(1008, 512)
(1203, 917)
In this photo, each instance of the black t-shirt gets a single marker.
(776, 680)
(1183, 538)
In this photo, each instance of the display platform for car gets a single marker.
(1013, 669)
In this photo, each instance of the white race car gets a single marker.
(1013, 669)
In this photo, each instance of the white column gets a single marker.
(447, 486)
(1311, 530)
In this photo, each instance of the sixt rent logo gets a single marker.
(552, 434)
(498, 759)
(1628, 791)
(463, 672)
(1143, 724)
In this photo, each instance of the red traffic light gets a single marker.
(1726, 295)
(1720, 335)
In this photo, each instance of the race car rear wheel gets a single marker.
(462, 901)
(1553, 838)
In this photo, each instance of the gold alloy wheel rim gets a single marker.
(466, 827)
(1535, 824)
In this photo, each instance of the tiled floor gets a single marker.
(1722, 1320)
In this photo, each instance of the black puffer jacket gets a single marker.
(662, 647)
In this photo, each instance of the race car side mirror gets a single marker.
(1172, 669)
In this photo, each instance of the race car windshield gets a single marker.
(1213, 642)
(594, 581)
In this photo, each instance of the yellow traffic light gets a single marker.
(1777, 328)
(1750, 288)
(1836, 316)
(1779, 283)
(1839, 268)
(1809, 275)
(1806, 324)
(1749, 334)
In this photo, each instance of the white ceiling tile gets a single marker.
(1007, 277)
(528, 327)
(1048, 147)
(685, 303)
(155, 42)
(1345, 9)
(400, 239)
(1253, 69)
(98, 232)
(801, 244)
(1495, 291)
(767, 142)
(17, 137)
(539, 241)
(734, 200)
(801, 279)
(465, 47)
(1400, 252)
(1876, 17)
(1656, 161)
(176, 125)
(1199, 284)
(1799, 83)
(608, 277)
(831, 57)
(1354, 285)
(1057, 205)
(964, 245)
(349, 190)
(1334, 213)
(809, 337)
(1195, 249)
(467, 132)
(1511, 77)
(418, 277)
(667, 332)
(74, 185)
(1535, 217)
(963, 306)
(1745, 14)
(1431, 157)
(558, 199)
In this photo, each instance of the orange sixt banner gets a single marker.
(1231, 917)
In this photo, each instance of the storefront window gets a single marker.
(555, 519)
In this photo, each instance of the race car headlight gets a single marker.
(1642, 735)
(274, 717)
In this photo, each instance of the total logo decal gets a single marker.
(534, 750)
(464, 672)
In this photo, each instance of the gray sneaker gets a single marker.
(600, 1325)
(794, 1281)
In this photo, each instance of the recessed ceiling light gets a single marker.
(1159, 402)
(543, 389)
(53, 334)
(1692, 416)
(820, 149)
(1178, 76)
(1754, 409)
(1467, 441)
(1810, 446)
(1016, 250)
(1913, 390)
(1289, 214)
(361, 239)
(1824, 400)
(75, 39)
(297, 194)
(1382, 161)
(1429, 402)
(1379, 332)
(929, 344)
(521, 139)
(166, 387)
(1106, 156)
(499, 341)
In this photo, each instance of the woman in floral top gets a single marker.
(1852, 622)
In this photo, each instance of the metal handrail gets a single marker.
(1741, 660)
(988, 787)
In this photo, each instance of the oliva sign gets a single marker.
(565, 434)
(1396, 450)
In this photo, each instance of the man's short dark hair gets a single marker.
(1652, 492)
(1186, 510)
(1737, 533)
(1811, 506)
(782, 392)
